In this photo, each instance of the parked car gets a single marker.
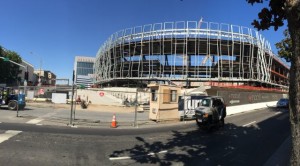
(283, 103)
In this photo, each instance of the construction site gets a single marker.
(190, 54)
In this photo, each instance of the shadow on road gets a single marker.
(231, 145)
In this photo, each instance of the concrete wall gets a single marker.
(248, 107)
(129, 93)
(112, 96)
(94, 97)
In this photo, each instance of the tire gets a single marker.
(198, 123)
(12, 105)
(222, 122)
(204, 127)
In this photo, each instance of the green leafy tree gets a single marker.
(277, 12)
(285, 47)
(8, 71)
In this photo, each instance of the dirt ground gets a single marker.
(91, 107)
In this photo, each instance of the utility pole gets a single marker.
(40, 81)
(40, 70)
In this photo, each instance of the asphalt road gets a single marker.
(247, 139)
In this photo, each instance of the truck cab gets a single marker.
(13, 101)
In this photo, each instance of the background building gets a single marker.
(30, 70)
(84, 71)
(45, 77)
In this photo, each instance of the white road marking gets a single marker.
(130, 157)
(249, 124)
(34, 121)
(8, 134)
(38, 120)
(278, 113)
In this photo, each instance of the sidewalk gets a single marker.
(101, 115)
(97, 116)
(91, 107)
(282, 155)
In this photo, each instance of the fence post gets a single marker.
(135, 110)
(184, 103)
(71, 114)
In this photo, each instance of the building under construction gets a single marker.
(189, 54)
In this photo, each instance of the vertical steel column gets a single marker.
(232, 53)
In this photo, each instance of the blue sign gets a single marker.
(21, 98)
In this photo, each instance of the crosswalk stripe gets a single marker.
(8, 134)
(34, 121)
(39, 119)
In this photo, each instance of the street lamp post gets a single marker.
(40, 70)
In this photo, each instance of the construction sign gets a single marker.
(41, 91)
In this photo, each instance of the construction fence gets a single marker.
(138, 105)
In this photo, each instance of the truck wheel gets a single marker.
(198, 123)
(12, 105)
(222, 122)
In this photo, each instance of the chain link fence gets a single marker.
(96, 106)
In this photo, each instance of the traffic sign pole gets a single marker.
(71, 116)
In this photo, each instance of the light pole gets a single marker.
(40, 70)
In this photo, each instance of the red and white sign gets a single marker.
(101, 94)
(41, 91)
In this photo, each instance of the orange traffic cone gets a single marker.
(114, 122)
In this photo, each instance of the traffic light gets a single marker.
(49, 75)
(26, 75)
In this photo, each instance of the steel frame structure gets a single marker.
(189, 51)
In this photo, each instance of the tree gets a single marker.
(285, 46)
(274, 16)
(8, 71)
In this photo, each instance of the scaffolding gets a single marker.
(187, 52)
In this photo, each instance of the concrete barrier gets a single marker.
(248, 107)
(39, 99)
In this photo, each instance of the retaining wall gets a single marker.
(248, 107)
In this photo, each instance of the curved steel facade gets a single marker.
(189, 51)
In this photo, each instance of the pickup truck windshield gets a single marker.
(205, 102)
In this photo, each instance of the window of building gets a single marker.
(84, 68)
(154, 94)
(173, 95)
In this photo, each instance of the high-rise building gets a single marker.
(84, 71)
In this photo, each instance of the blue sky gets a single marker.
(55, 31)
